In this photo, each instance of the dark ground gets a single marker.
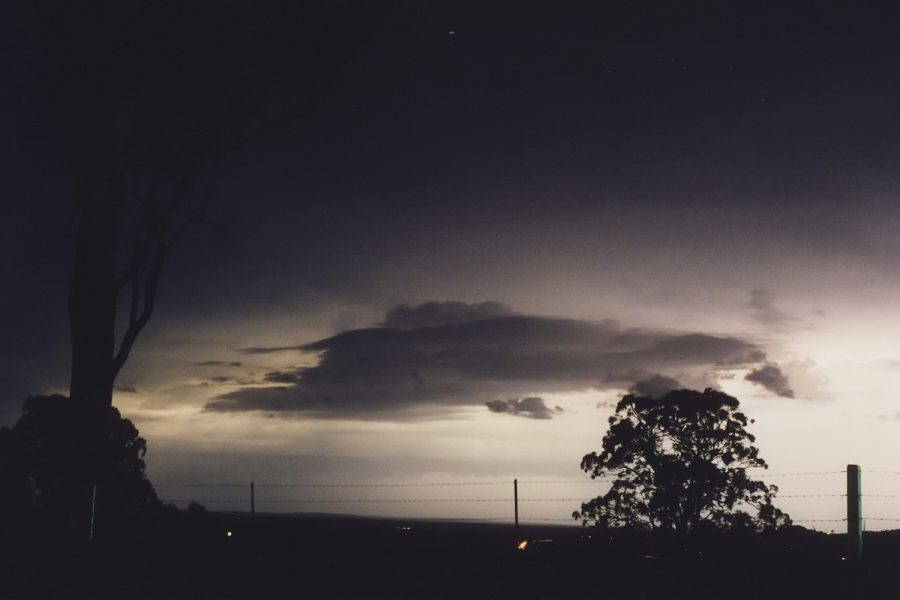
(190, 556)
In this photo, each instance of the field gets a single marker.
(230, 556)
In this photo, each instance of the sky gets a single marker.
(495, 223)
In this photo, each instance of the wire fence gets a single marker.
(808, 496)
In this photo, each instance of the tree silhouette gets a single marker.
(143, 100)
(60, 445)
(69, 476)
(680, 462)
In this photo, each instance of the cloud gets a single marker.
(434, 314)
(126, 388)
(217, 363)
(434, 361)
(270, 349)
(762, 308)
(233, 380)
(289, 377)
(771, 378)
(807, 380)
(531, 407)
(655, 386)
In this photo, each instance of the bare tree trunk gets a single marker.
(92, 300)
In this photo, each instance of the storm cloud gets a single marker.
(762, 308)
(531, 407)
(655, 386)
(773, 379)
(439, 360)
(432, 314)
(217, 363)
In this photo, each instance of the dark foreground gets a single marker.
(313, 557)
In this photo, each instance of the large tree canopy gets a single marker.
(679, 462)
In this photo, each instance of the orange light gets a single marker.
(522, 545)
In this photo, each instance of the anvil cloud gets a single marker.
(437, 356)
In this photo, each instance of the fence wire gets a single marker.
(280, 503)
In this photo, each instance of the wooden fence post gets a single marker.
(516, 505)
(854, 512)
(93, 512)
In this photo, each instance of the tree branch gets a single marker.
(137, 322)
(143, 304)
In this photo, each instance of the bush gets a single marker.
(60, 459)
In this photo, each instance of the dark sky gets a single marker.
(557, 198)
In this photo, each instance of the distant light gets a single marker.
(228, 534)
(451, 32)
(522, 545)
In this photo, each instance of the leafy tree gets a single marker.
(140, 102)
(680, 464)
(54, 456)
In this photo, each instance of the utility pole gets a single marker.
(854, 512)
(252, 500)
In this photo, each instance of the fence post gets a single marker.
(93, 512)
(252, 500)
(516, 505)
(854, 512)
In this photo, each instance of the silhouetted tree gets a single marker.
(56, 455)
(140, 101)
(143, 99)
(15, 490)
(680, 463)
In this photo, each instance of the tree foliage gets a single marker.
(55, 456)
(679, 463)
